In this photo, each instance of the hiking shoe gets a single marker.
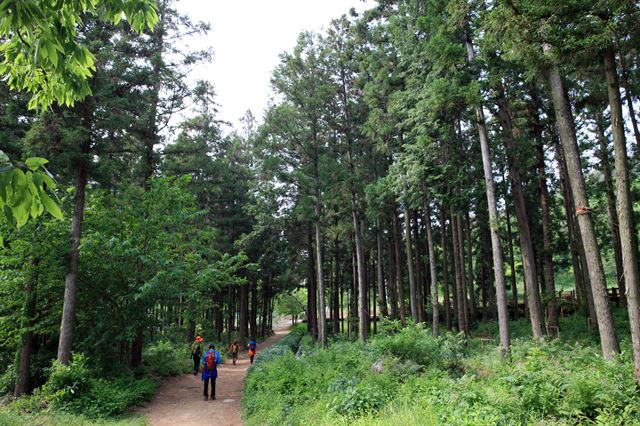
(213, 398)
(206, 398)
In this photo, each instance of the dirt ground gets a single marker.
(179, 400)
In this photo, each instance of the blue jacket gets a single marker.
(208, 374)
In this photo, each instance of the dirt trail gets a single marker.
(179, 399)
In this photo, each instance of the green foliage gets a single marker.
(23, 193)
(391, 380)
(168, 359)
(42, 51)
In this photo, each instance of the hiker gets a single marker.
(252, 348)
(196, 354)
(210, 361)
(234, 348)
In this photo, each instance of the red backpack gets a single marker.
(210, 361)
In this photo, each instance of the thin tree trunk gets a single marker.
(457, 266)
(382, 297)
(398, 259)
(69, 305)
(336, 291)
(463, 272)
(496, 246)
(322, 317)
(413, 296)
(564, 117)
(419, 282)
(432, 269)
(547, 255)
(512, 264)
(242, 324)
(611, 203)
(624, 208)
(470, 280)
(524, 233)
(393, 288)
(312, 308)
(445, 270)
(629, 99)
(362, 284)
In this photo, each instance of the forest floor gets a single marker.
(179, 401)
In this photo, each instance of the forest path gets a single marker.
(178, 401)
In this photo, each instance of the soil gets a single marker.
(179, 400)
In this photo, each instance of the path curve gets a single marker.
(178, 401)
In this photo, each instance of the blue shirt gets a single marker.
(209, 374)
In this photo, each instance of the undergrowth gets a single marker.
(406, 377)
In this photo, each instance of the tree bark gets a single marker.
(564, 117)
(312, 307)
(413, 297)
(393, 288)
(496, 246)
(242, 323)
(457, 267)
(398, 259)
(524, 233)
(611, 202)
(471, 284)
(382, 297)
(624, 208)
(418, 266)
(547, 255)
(445, 270)
(65, 342)
(435, 313)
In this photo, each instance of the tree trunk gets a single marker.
(393, 288)
(413, 296)
(418, 266)
(432, 269)
(336, 291)
(382, 297)
(322, 317)
(242, 323)
(362, 284)
(398, 259)
(547, 255)
(312, 308)
(564, 117)
(611, 203)
(445, 270)
(470, 280)
(629, 99)
(512, 264)
(67, 326)
(496, 247)
(457, 266)
(624, 208)
(524, 233)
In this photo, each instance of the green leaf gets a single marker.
(34, 162)
(50, 205)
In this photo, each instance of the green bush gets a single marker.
(167, 359)
(67, 382)
(408, 377)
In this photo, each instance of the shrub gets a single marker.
(67, 382)
(167, 359)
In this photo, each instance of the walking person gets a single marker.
(210, 361)
(252, 349)
(234, 348)
(196, 354)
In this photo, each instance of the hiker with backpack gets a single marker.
(234, 348)
(210, 361)
(252, 349)
(196, 354)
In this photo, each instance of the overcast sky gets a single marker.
(247, 36)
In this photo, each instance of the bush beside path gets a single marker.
(179, 400)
